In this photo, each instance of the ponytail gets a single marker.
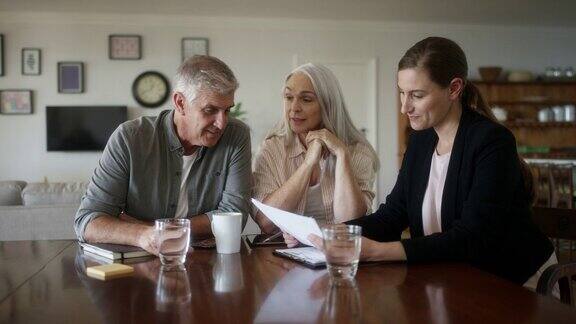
(472, 98)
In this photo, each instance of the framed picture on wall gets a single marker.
(124, 47)
(1, 54)
(194, 46)
(31, 63)
(16, 102)
(70, 77)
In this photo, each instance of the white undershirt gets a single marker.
(182, 209)
(314, 203)
(432, 204)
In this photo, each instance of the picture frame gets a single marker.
(31, 61)
(70, 77)
(124, 47)
(194, 46)
(1, 54)
(16, 102)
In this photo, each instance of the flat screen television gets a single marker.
(81, 128)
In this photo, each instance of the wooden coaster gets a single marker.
(109, 271)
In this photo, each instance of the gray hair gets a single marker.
(335, 117)
(203, 72)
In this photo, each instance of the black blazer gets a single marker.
(486, 213)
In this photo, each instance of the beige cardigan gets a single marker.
(278, 159)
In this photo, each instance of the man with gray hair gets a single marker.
(189, 162)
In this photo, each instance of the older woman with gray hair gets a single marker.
(315, 161)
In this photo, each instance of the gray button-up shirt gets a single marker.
(140, 173)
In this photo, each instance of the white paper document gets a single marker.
(296, 225)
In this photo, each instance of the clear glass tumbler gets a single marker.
(173, 241)
(342, 250)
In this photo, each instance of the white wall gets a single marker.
(260, 51)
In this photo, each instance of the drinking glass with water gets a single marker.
(342, 250)
(173, 241)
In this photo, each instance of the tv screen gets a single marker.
(81, 128)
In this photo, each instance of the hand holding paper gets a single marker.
(296, 225)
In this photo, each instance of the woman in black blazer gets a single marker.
(483, 212)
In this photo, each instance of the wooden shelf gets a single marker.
(550, 156)
(531, 103)
(522, 100)
(524, 83)
(536, 124)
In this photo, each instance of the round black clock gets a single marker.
(150, 89)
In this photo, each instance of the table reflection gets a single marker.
(146, 296)
(342, 304)
(256, 286)
(437, 301)
(173, 288)
(296, 298)
(227, 273)
(198, 292)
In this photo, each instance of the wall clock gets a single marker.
(150, 89)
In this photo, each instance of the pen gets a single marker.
(272, 237)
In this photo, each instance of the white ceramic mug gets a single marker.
(227, 228)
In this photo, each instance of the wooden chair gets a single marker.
(561, 186)
(564, 275)
(541, 174)
(558, 224)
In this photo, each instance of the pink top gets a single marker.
(432, 204)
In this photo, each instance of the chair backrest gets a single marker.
(556, 223)
(561, 186)
(559, 225)
(563, 275)
(541, 174)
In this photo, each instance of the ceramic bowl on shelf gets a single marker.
(500, 113)
(520, 76)
(489, 73)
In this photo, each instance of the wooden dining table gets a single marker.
(46, 282)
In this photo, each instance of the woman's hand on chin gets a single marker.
(334, 145)
(313, 153)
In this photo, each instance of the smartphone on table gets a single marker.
(255, 240)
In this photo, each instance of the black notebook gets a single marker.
(114, 251)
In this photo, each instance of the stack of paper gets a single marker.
(298, 226)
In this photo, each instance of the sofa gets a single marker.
(38, 211)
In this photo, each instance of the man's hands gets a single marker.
(148, 240)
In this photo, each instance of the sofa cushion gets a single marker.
(53, 193)
(11, 192)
